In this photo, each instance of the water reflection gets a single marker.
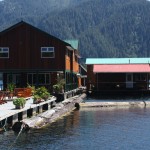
(89, 128)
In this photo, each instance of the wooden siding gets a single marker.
(117, 81)
(68, 63)
(72, 62)
(25, 42)
(90, 76)
(79, 82)
(110, 81)
(75, 66)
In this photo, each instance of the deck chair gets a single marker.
(2, 97)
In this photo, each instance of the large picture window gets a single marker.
(41, 78)
(4, 52)
(47, 52)
(140, 77)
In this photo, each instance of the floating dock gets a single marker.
(9, 114)
(116, 104)
(47, 111)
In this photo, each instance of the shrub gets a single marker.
(19, 101)
(42, 93)
(59, 86)
(11, 87)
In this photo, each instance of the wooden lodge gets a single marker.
(29, 55)
(118, 75)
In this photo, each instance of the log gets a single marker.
(53, 114)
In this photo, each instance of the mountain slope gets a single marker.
(105, 28)
(13, 11)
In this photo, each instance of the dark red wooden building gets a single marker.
(30, 56)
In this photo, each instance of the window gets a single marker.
(42, 78)
(129, 77)
(4, 52)
(47, 52)
(140, 77)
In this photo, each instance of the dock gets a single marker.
(55, 113)
(9, 114)
(117, 104)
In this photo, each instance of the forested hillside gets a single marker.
(105, 28)
(13, 11)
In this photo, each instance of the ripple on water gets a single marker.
(93, 129)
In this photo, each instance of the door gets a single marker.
(129, 80)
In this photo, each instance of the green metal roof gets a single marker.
(73, 43)
(117, 61)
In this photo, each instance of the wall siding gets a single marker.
(25, 44)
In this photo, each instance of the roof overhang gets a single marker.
(77, 55)
(70, 48)
(129, 68)
(104, 61)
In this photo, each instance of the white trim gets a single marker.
(2, 51)
(48, 50)
(129, 83)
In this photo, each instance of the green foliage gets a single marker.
(36, 97)
(59, 86)
(32, 88)
(41, 93)
(105, 28)
(19, 101)
(11, 87)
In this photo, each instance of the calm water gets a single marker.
(88, 129)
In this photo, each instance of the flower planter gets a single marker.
(37, 101)
(19, 107)
(59, 97)
(19, 103)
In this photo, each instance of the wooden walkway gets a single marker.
(8, 109)
(117, 104)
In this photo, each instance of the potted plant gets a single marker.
(32, 88)
(45, 95)
(40, 94)
(19, 102)
(59, 86)
(58, 89)
(36, 99)
(10, 88)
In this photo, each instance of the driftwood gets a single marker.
(51, 115)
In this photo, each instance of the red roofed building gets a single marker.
(118, 74)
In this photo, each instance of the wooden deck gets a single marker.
(9, 114)
(130, 92)
(117, 104)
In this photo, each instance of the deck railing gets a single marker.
(120, 85)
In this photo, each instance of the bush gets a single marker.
(42, 93)
(11, 87)
(19, 101)
(59, 87)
